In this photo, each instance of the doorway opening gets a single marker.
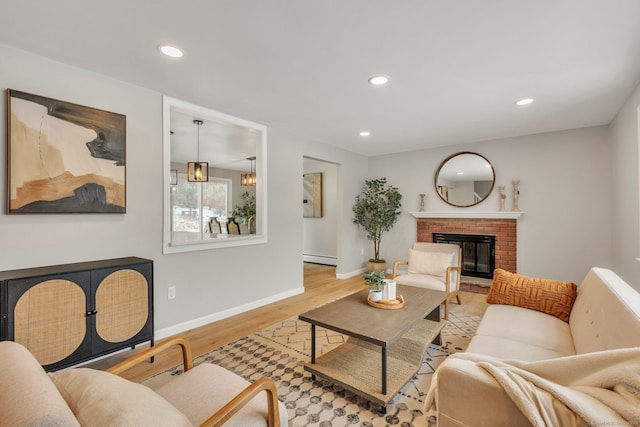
(320, 211)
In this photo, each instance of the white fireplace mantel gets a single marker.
(470, 214)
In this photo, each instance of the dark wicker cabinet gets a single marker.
(72, 313)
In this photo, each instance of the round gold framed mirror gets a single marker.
(465, 179)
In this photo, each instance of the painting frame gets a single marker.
(63, 158)
(312, 195)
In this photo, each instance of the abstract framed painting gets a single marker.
(63, 157)
(312, 195)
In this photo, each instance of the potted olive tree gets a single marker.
(376, 210)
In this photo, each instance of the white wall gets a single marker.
(210, 284)
(320, 235)
(565, 192)
(625, 138)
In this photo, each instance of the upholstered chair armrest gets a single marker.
(244, 397)
(134, 360)
(395, 266)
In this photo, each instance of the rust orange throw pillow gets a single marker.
(553, 297)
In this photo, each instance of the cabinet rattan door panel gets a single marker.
(122, 305)
(50, 320)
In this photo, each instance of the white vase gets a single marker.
(375, 295)
(389, 289)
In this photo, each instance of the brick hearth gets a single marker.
(505, 230)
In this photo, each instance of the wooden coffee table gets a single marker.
(385, 347)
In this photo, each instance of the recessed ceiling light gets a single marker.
(365, 133)
(524, 101)
(378, 80)
(171, 51)
(460, 173)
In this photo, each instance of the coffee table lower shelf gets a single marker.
(357, 365)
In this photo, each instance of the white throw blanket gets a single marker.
(611, 378)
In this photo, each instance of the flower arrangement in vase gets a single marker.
(247, 212)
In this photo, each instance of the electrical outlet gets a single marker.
(171, 292)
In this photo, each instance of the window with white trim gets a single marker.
(195, 204)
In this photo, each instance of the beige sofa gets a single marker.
(203, 395)
(528, 344)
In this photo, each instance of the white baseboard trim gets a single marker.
(320, 259)
(351, 274)
(214, 317)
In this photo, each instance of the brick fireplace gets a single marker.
(504, 230)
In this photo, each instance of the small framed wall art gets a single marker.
(312, 195)
(63, 157)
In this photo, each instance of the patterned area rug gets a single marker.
(281, 350)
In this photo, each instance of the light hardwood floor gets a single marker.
(320, 287)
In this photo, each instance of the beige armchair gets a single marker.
(204, 395)
(432, 266)
(189, 394)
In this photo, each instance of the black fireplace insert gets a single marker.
(478, 252)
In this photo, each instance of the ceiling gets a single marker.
(455, 67)
(223, 144)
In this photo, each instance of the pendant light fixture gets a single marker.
(198, 171)
(249, 179)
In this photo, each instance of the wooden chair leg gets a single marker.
(458, 298)
(446, 309)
